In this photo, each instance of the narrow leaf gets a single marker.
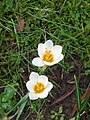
(77, 94)
(22, 106)
(21, 101)
(83, 97)
(77, 99)
(84, 104)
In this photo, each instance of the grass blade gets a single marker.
(22, 106)
(85, 102)
(20, 102)
(78, 100)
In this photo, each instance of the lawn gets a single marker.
(24, 25)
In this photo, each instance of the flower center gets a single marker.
(48, 56)
(39, 88)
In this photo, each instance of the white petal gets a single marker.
(60, 58)
(38, 62)
(44, 94)
(41, 49)
(33, 96)
(30, 86)
(49, 63)
(43, 79)
(56, 50)
(34, 77)
(49, 86)
(55, 61)
(49, 44)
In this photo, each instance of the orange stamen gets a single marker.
(48, 56)
(39, 88)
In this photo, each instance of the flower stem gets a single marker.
(42, 69)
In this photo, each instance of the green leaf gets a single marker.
(77, 116)
(87, 72)
(9, 90)
(77, 94)
(60, 109)
(19, 103)
(84, 104)
(77, 98)
(18, 60)
(61, 118)
(21, 70)
(52, 116)
(88, 25)
(22, 106)
(72, 118)
(52, 111)
(6, 97)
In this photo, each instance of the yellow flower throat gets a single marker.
(48, 56)
(39, 88)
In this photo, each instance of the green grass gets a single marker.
(64, 22)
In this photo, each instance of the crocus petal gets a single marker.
(33, 96)
(41, 49)
(49, 44)
(56, 50)
(44, 94)
(30, 85)
(55, 61)
(49, 86)
(38, 62)
(43, 79)
(60, 58)
(33, 77)
(49, 63)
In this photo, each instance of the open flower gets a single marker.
(38, 86)
(48, 54)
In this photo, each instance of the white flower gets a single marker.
(48, 54)
(38, 86)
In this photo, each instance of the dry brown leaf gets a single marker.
(20, 23)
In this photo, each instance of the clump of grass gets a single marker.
(65, 22)
(81, 105)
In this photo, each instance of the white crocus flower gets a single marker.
(48, 54)
(38, 86)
